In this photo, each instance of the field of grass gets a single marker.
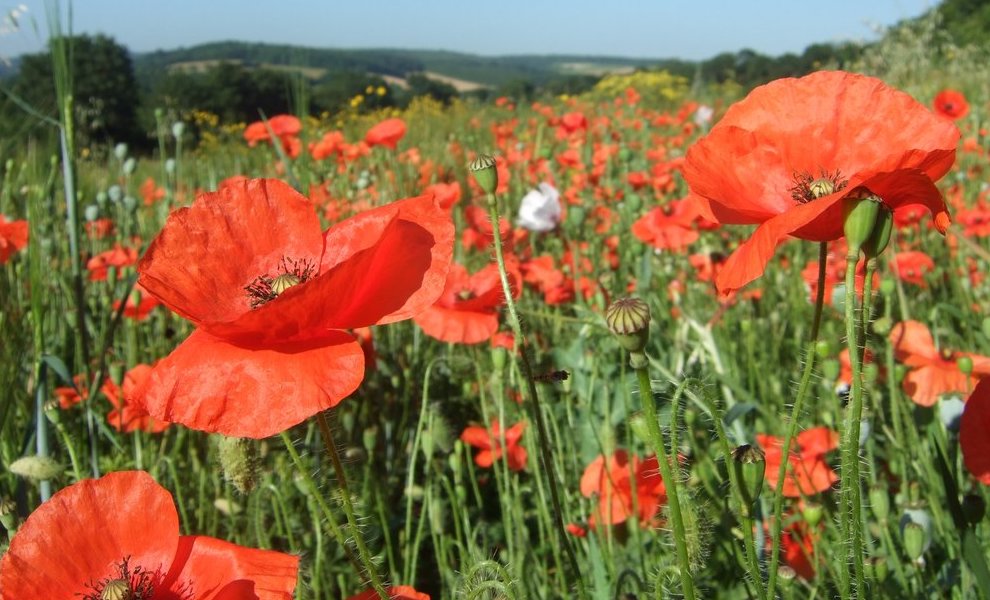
(307, 337)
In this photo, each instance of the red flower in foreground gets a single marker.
(489, 441)
(974, 432)
(808, 473)
(951, 104)
(787, 155)
(467, 310)
(934, 372)
(612, 484)
(13, 237)
(396, 592)
(271, 294)
(387, 133)
(123, 530)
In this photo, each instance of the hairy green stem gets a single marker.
(809, 364)
(546, 456)
(670, 473)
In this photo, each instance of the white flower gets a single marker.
(703, 116)
(540, 209)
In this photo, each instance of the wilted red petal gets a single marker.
(974, 432)
(211, 385)
(85, 531)
(210, 569)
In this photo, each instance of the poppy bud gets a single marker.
(878, 240)
(37, 468)
(879, 502)
(914, 540)
(882, 326)
(887, 287)
(823, 349)
(485, 173)
(965, 364)
(239, 463)
(750, 465)
(876, 568)
(859, 218)
(786, 575)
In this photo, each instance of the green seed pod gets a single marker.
(859, 218)
(878, 241)
(914, 540)
(750, 465)
(36, 468)
(239, 462)
(876, 568)
(812, 513)
(485, 173)
(965, 364)
(879, 502)
(629, 320)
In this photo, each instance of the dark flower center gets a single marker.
(807, 188)
(946, 354)
(126, 584)
(266, 288)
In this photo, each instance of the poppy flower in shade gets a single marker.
(934, 371)
(974, 432)
(467, 310)
(396, 592)
(797, 546)
(270, 295)
(13, 237)
(128, 416)
(611, 481)
(808, 473)
(951, 104)
(489, 442)
(787, 155)
(911, 267)
(387, 133)
(122, 530)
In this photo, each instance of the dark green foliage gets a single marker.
(227, 90)
(967, 21)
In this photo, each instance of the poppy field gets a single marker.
(651, 341)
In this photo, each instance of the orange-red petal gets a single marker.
(206, 568)
(85, 531)
(211, 385)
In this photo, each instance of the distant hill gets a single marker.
(315, 63)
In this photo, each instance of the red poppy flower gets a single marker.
(467, 310)
(788, 154)
(612, 484)
(951, 104)
(127, 415)
(118, 257)
(139, 304)
(284, 127)
(798, 549)
(669, 227)
(69, 396)
(911, 267)
(974, 432)
(123, 530)
(396, 592)
(151, 192)
(489, 441)
(447, 194)
(934, 372)
(387, 133)
(13, 237)
(270, 295)
(808, 473)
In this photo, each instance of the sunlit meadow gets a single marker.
(509, 349)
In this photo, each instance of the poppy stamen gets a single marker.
(266, 288)
(807, 188)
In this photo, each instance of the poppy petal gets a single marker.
(913, 343)
(211, 385)
(457, 326)
(207, 253)
(210, 569)
(479, 437)
(85, 531)
(973, 432)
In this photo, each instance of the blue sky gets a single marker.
(689, 29)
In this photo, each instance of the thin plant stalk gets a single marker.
(546, 456)
(802, 391)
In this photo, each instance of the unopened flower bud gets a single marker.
(812, 513)
(887, 286)
(914, 540)
(859, 219)
(965, 365)
(37, 468)
(879, 502)
(120, 151)
(823, 349)
(8, 514)
(239, 463)
(750, 465)
(882, 326)
(485, 173)
(876, 568)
